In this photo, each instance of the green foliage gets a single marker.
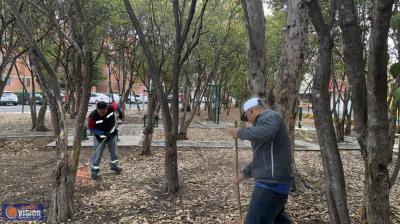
(395, 21)
(394, 86)
(275, 40)
(232, 51)
(396, 94)
(98, 73)
(395, 70)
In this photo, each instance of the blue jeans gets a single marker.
(96, 158)
(267, 207)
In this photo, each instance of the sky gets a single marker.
(267, 10)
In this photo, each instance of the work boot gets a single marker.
(116, 169)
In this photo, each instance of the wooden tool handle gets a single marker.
(237, 174)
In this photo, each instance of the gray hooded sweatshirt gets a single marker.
(271, 152)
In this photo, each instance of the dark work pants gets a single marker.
(267, 207)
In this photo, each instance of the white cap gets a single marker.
(252, 102)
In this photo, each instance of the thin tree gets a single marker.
(371, 112)
(51, 88)
(332, 163)
(170, 116)
(378, 153)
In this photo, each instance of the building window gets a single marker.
(26, 81)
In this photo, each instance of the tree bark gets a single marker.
(171, 165)
(355, 68)
(40, 121)
(229, 105)
(396, 170)
(148, 131)
(256, 61)
(31, 97)
(349, 122)
(378, 153)
(339, 118)
(70, 163)
(333, 168)
(334, 177)
(77, 70)
(370, 113)
(61, 203)
(288, 83)
(82, 111)
(182, 135)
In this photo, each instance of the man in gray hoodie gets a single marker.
(270, 167)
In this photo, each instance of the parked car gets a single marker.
(97, 97)
(145, 99)
(9, 98)
(208, 99)
(38, 98)
(115, 96)
(24, 99)
(135, 99)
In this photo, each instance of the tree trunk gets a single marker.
(340, 118)
(347, 131)
(73, 160)
(332, 163)
(378, 153)
(61, 203)
(396, 170)
(78, 82)
(288, 84)
(125, 92)
(186, 123)
(338, 126)
(355, 68)
(72, 103)
(147, 139)
(336, 109)
(229, 106)
(170, 116)
(77, 71)
(346, 112)
(31, 98)
(32, 106)
(198, 111)
(148, 131)
(171, 165)
(334, 177)
(40, 121)
(182, 135)
(256, 62)
(210, 110)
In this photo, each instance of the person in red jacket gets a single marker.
(101, 123)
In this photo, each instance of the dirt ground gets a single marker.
(207, 193)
